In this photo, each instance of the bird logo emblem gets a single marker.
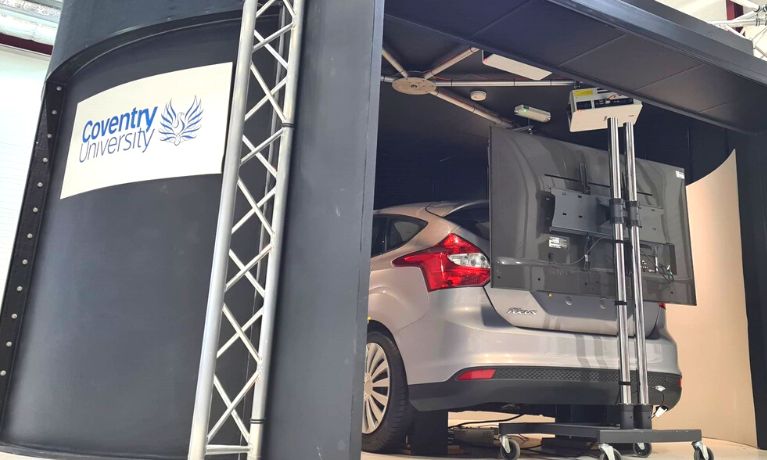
(178, 127)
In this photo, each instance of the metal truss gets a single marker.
(237, 338)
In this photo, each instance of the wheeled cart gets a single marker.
(635, 424)
(606, 437)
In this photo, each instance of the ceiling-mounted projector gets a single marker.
(512, 66)
(532, 113)
(590, 108)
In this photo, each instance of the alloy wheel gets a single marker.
(375, 398)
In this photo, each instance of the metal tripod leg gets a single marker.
(636, 272)
(617, 214)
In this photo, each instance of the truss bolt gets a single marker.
(19, 288)
(39, 185)
(30, 236)
(9, 344)
(58, 88)
(35, 209)
(24, 261)
(3, 373)
(54, 112)
(45, 159)
(14, 316)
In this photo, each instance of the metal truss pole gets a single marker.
(278, 219)
(216, 289)
(267, 210)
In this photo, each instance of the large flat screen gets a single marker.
(550, 222)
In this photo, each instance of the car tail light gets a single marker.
(476, 374)
(454, 262)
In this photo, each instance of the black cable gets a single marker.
(593, 245)
(487, 421)
(531, 448)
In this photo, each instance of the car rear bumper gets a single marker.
(532, 385)
(463, 331)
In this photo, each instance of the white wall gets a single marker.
(714, 10)
(712, 337)
(21, 81)
(706, 10)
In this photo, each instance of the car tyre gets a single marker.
(386, 409)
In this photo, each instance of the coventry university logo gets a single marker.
(134, 130)
(177, 127)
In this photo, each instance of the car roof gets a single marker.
(438, 208)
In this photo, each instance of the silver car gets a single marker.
(441, 338)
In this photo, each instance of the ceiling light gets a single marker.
(512, 66)
(26, 29)
(478, 95)
(28, 10)
(532, 113)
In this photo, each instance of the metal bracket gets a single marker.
(632, 208)
(617, 211)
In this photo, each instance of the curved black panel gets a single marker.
(108, 357)
(85, 23)
(542, 189)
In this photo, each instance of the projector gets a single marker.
(591, 108)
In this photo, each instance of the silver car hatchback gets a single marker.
(441, 338)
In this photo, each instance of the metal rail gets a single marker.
(256, 267)
(444, 94)
(616, 204)
(636, 268)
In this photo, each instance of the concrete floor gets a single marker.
(723, 450)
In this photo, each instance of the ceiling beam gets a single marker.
(394, 62)
(450, 61)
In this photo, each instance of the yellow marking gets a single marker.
(584, 92)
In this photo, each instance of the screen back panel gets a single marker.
(550, 225)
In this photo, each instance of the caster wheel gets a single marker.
(510, 449)
(642, 449)
(616, 456)
(608, 453)
(702, 452)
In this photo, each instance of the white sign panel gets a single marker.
(167, 125)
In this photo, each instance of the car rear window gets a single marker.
(392, 231)
(401, 231)
(475, 219)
